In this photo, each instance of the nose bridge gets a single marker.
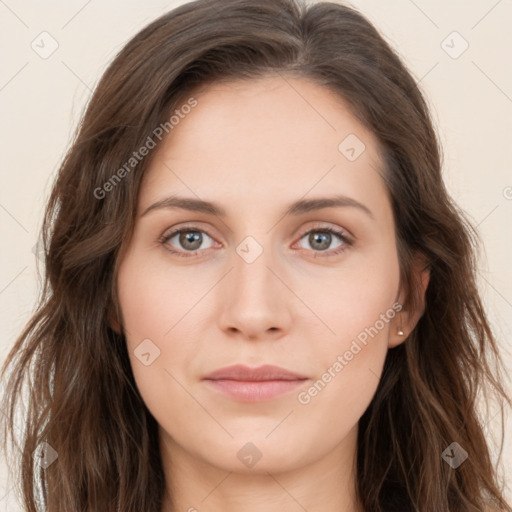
(251, 275)
(253, 301)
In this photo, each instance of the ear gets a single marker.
(406, 320)
(113, 321)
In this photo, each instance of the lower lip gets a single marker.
(254, 391)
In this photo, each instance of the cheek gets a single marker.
(356, 297)
(349, 365)
(358, 306)
(154, 297)
(335, 402)
(160, 311)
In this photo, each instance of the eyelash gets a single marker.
(347, 242)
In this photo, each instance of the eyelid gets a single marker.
(347, 240)
(319, 226)
(172, 232)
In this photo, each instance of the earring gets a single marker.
(400, 332)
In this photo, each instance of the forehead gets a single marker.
(274, 137)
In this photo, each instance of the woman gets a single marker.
(194, 349)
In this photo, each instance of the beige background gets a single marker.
(41, 100)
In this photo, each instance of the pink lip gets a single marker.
(254, 384)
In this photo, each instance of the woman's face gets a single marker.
(257, 284)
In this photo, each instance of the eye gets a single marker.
(189, 239)
(321, 238)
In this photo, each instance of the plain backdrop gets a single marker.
(458, 51)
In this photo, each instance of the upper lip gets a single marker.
(261, 373)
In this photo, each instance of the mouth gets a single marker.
(246, 384)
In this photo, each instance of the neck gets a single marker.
(326, 484)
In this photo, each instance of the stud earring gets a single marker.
(400, 332)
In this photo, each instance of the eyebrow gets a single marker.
(296, 208)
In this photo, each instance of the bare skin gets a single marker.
(254, 148)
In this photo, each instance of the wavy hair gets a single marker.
(82, 399)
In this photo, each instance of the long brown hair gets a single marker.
(82, 399)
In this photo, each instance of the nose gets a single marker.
(254, 301)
